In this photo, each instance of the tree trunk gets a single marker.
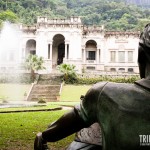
(32, 75)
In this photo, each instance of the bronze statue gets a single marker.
(87, 139)
(122, 110)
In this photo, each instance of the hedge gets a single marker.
(93, 80)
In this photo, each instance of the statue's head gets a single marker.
(144, 50)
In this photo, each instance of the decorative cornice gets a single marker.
(92, 29)
(29, 29)
(121, 33)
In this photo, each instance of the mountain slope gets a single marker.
(114, 14)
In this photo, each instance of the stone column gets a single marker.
(23, 53)
(51, 51)
(65, 51)
(97, 56)
(84, 55)
(126, 56)
(50, 43)
(117, 56)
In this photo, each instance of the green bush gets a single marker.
(69, 73)
(120, 79)
(41, 102)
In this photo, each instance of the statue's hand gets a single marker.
(39, 143)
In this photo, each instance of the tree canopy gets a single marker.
(113, 14)
(34, 63)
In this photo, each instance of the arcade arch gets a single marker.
(31, 47)
(58, 50)
(91, 48)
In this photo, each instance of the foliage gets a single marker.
(113, 14)
(34, 63)
(120, 79)
(69, 72)
(69, 92)
(41, 100)
(8, 16)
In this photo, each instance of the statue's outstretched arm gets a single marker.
(66, 125)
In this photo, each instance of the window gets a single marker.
(130, 70)
(121, 69)
(112, 56)
(130, 56)
(90, 68)
(113, 69)
(121, 56)
(90, 55)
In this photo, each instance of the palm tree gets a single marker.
(68, 70)
(34, 63)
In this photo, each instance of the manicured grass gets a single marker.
(73, 92)
(17, 91)
(13, 91)
(18, 130)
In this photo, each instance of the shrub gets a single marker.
(41, 101)
(69, 72)
(4, 101)
(93, 80)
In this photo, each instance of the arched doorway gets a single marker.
(61, 53)
(58, 50)
(91, 48)
(31, 47)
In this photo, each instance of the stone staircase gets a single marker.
(47, 88)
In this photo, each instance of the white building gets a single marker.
(89, 48)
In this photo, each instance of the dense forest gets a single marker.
(125, 15)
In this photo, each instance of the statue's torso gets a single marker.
(124, 115)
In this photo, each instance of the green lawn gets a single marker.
(13, 91)
(73, 92)
(18, 130)
(17, 91)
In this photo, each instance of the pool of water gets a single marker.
(20, 104)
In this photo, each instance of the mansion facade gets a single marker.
(92, 49)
